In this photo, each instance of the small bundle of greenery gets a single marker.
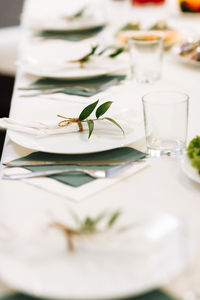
(86, 112)
(78, 14)
(193, 152)
(88, 227)
(115, 51)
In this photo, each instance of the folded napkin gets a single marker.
(78, 179)
(153, 295)
(76, 87)
(31, 127)
(73, 36)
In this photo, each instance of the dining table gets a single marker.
(160, 186)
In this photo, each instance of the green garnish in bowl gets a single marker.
(193, 152)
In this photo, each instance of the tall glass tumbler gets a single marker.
(166, 122)
(146, 58)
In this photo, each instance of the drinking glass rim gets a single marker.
(185, 97)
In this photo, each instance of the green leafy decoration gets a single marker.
(117, 124)
(88, 226)
(80, 12)
(160, 25)
(193, 152)
(86, 57)
(90, 127)
(86, 112)
(130, 26)
(116, 52)
(102, 109)
(113, 218)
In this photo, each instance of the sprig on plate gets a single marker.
(86, 112)
(86, 57)
(115, 52)
(78, 14)
(88, 227)
(193, 152)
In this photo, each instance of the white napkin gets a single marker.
(82, 192)
(126, 119)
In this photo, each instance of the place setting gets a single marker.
(83, 21)
(66, 243)
(89, 139)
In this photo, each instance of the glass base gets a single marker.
(169, 148)
(147, 80)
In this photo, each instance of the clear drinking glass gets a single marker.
(166, 122)
(145, 58)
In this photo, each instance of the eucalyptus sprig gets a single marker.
(116, 51)
(78, 14)
(87, 227)
(86, 112)
(86, 57)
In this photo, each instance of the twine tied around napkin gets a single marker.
(69, 121)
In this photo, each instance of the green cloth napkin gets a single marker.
(77, 179)
(154, 295)
(73, 36)
(70, 87)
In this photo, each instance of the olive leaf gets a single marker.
(90, 127)
(80, 12)
(114, 122)
(116, 52)
(102, 109)
(86, 57)
(86, 112)
(113, 218)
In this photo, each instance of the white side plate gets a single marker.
(190, 171)
(104, 267)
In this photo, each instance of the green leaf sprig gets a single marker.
(133, 25)
(86, 57)
(160, 25)
(88, 227)
(78, 14)
(115, 53)
(86, 112)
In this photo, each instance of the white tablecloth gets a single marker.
(162, 187)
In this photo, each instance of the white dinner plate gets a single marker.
(184, 59)
(102, 267)
(93, 17)
(42, 59)
(60, 25)
(190, 171)
(98, 66)
(105, 136)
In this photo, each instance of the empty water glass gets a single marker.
(166, 122)
(145, 57)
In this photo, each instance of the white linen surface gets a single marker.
(165, 185)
